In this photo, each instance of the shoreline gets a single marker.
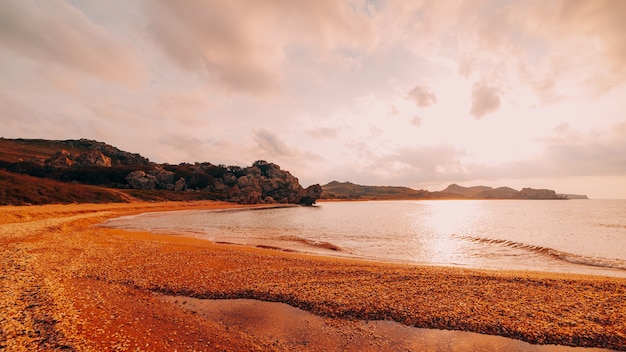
(68, 283)
(562, 262)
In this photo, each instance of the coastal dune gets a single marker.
(68, 284)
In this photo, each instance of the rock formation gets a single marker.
(265, 182)
(140, 180)
(64, 159)
(93, 158)
(61, 159)
(311, 194)
(261, 183)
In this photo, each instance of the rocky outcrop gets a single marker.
(93, 158)
(118, 157)
(265, 182)
(261, 183)
(311, 194)
(164, 178)
(62, 159)
(140, 180)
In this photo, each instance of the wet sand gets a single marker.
(300, 330)
(66, 284)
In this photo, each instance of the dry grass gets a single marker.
(23, 189)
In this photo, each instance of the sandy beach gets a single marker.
(68, 284)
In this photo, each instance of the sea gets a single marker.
(563, 236)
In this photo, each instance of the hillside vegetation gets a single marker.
(38, 171)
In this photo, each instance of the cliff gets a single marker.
(68, 166)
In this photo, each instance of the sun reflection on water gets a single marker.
(440, 227)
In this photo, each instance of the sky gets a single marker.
(402, 93)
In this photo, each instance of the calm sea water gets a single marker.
(575, 236)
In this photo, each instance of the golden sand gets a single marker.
(66, 284)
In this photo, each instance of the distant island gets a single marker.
(349, 191)
(39, 171)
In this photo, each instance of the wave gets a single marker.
(311, 243)
(613, 226)
(554, 253)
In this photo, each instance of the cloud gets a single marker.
(411, 165)
(485, 100)
(422, 96)
(598, 153)
(187, 107)
(598, 26)
(210, 39)
(243, 46)
(569, 153)
(16, 118)
(429, 160)
(53, 32)
(557, 50)
(324, 132)
(182, 148)
(272, 145)
(416, 121)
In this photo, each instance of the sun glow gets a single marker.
(447, 221)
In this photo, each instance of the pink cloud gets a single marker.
(422, 96)
(241, 46)
(53, 32)
(485, 100)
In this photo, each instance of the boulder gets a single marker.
(180, 185)
(140, 180)
(93, 158)
(62, 159)
(165, 178)
(310, 195)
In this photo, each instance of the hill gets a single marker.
(351, 191)
(348, 190)
(38, 171)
